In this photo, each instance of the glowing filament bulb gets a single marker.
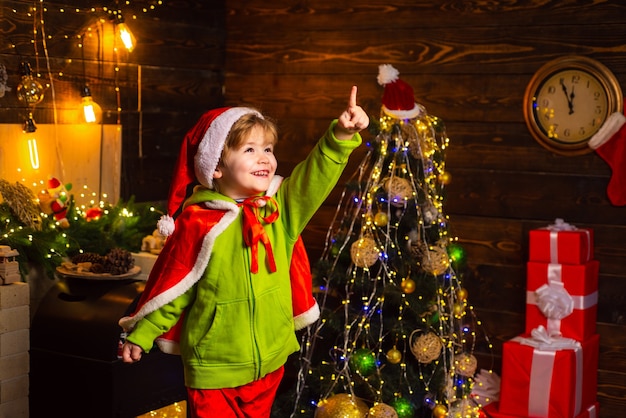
(91, 111)
(90, 114)
(34, 154)
(29, 129)
(127, 37)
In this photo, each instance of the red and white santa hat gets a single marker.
(199, 155)
(53, 183)
(398, 100)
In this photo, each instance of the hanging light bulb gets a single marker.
(29, 130)
(124, 33)
(29, 90)
(91, 111)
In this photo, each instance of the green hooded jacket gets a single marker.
(238, 326)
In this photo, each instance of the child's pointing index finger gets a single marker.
(352, 100)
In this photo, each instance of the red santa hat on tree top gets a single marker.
(398, 100)
(200, 153)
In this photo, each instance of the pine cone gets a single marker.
(97, 268)
(97, 261)
(118, 261)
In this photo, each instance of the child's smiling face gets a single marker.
(247, 170)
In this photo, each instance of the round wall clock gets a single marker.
(567, 101)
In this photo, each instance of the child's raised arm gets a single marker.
(352, 120)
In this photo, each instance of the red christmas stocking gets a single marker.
(610, 144)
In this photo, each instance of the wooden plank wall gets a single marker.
(173, 75)
(469, 63)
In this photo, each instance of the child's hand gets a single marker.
(131, 352)
(352, 120)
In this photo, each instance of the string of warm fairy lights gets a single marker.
(399, 188)
(31, 90)
(29, 8)
(96, 204)
(117, 13)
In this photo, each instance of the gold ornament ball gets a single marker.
(399, 190)
(408, 131)
(381, 219)
(436, 261)
(341, 405)
(382, 410)
(440, 411)
(466, 365)
(420, 143)
(445, 178)
(363, 252)
(458, 310)
(394, 356)
(408, 286)
(461, 294)
(427, 347)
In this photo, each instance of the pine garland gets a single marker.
(121, 226)
(41, 241)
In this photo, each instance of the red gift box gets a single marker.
(551, 245)
(563, 298)
(547, 379)
(492, 411)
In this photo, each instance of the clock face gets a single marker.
(567, 101)
(570, 106)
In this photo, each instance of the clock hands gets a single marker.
(569, 97)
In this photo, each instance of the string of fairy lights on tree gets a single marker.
(397, 335)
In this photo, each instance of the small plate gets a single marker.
(93, 276)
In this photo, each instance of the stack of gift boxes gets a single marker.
(550, 371)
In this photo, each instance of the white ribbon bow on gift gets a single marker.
(560, 225)
(542, 340)
(486, 388)
(554, 301)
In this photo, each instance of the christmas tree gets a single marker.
(396, 335)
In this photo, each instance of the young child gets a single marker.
(221, 286)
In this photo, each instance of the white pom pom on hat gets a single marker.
(166, 225)
(398, 99)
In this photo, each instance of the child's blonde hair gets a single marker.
(239, 133)
(242, 128)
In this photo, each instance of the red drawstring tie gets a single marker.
(253, 231)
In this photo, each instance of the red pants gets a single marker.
(253, 400)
